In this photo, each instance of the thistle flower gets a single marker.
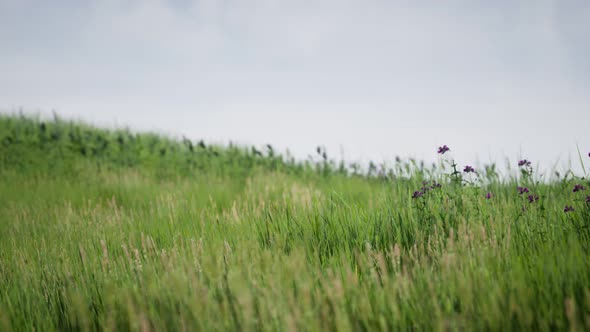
(469, 169)
(522, 190)
(489, 195)
(532, 198)
(417, 194)
(568, 208)
(578, 187)
(524, 162)
(443, 149)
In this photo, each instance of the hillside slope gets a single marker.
(115, 230)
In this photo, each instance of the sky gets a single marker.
(367, 79)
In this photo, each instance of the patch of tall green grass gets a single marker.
(115, 230)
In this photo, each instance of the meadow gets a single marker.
(116, 230)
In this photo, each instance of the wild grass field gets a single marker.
(115, 230)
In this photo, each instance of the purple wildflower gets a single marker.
(417, 194)
(522, 190)
(443, 149)
(588, 199)
(488, 195)
(568, 208)
(524, 162)
(532, 198)
(435, 185)
(578, 187)
(469, 169)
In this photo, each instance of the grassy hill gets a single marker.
(116, 230)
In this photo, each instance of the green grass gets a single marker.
(114, 230)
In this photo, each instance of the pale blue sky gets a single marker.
(377, 78)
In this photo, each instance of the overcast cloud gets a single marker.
(377, 78)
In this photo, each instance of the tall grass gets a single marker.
(114, 230)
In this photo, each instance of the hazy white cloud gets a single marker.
(363, 74)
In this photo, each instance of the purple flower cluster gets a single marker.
(532, 198)
(524, 162)
(522, 190)
(426, 186)
(443, 149)
(489, 195)
(417, 194)
(578, 187)
(469, 169)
